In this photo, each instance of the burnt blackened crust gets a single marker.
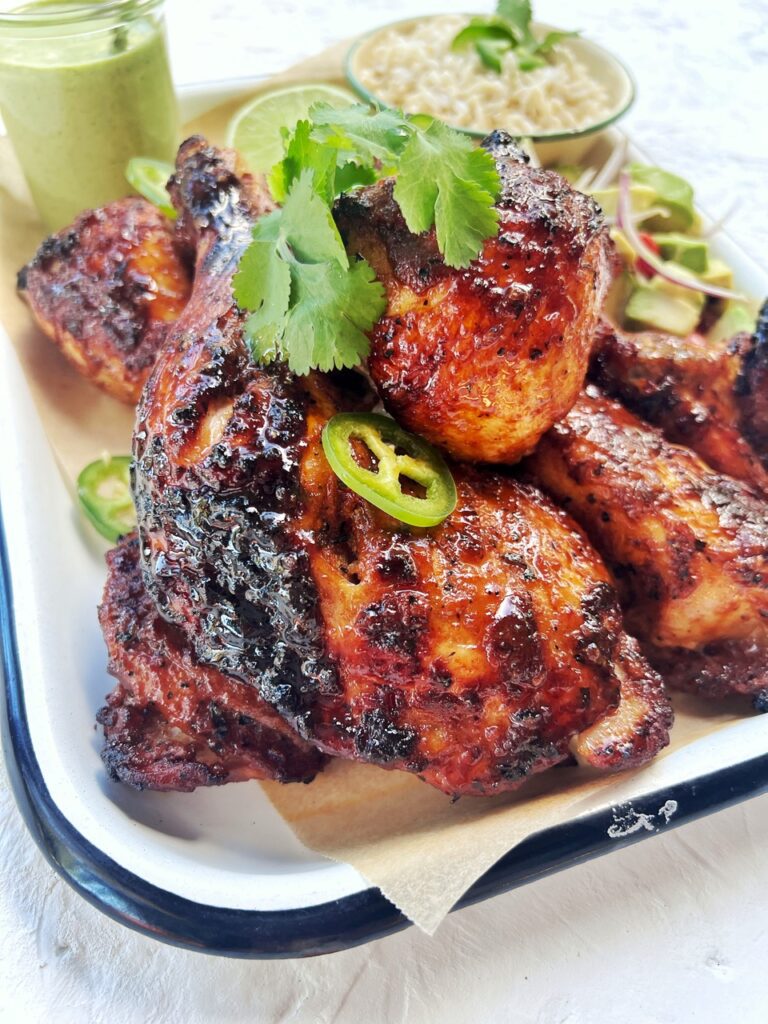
(217, 451)
(172, 723)
(213, 194)
(504, 149)
(55, 247)
(224, 555)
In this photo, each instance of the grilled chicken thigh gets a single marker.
(473, 654)
(483, 361)
(172, 723)
(106, 289)
(709, 396)
(688, 546)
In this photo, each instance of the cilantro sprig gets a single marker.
(310, 305)
(508, 31)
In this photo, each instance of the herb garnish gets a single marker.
(310, 305)
(508, 31)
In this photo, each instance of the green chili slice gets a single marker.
(397, 472)
(104, 492)
(149, 178)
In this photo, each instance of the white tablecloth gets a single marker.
(671, 930)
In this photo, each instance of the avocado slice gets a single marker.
(625, 250)
(670, 191)
(664, 306)
(641, 197)
(736, 319)
(692, 253)
(718, 273)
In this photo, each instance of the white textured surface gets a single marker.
(669, 931)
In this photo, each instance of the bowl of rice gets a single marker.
(560, 107)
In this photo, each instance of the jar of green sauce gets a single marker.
(83, 88)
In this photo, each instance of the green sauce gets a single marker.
(78, 104)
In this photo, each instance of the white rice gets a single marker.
(413, 68)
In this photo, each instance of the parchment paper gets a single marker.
(419, 848)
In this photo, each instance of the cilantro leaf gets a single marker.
(483, 28)
(330, 312)
(350, 174)
(518, 14)
(528, 59)
(509, 29)
(266, 288)
(302, 152)
(308, 305)
(355, 130)
(491, 52)
(307, 224)
(444, 180)
(553, 38)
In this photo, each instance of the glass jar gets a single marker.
(83, 88)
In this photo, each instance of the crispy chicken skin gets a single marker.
(106, 289)
(472, 654)
(709, 396)
(688, 546)
(483, 361)
(172, 723)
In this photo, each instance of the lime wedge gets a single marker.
(255, 130)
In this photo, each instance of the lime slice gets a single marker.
(255, 130)
(149, 178)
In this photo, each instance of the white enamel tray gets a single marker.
(218, 870)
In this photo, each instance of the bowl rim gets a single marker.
(541, 137)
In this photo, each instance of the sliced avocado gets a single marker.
(690, 294)
(667, 307)
(625, 250)
(718, 273)
(641, 197)
(692, 253)
(736, 318)
(670, 191)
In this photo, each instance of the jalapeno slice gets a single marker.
(397, 472)
(104, 492)
(150, 178)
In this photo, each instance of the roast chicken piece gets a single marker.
(472, 654)
(483, 361)
(172, 723)
(688, 546)
(105, 291)
(709, 396)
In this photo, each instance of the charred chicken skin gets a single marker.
(688, 546)
(709, 396)
(483, 361)
(472, 654)
(105, 291)
(172, 723)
